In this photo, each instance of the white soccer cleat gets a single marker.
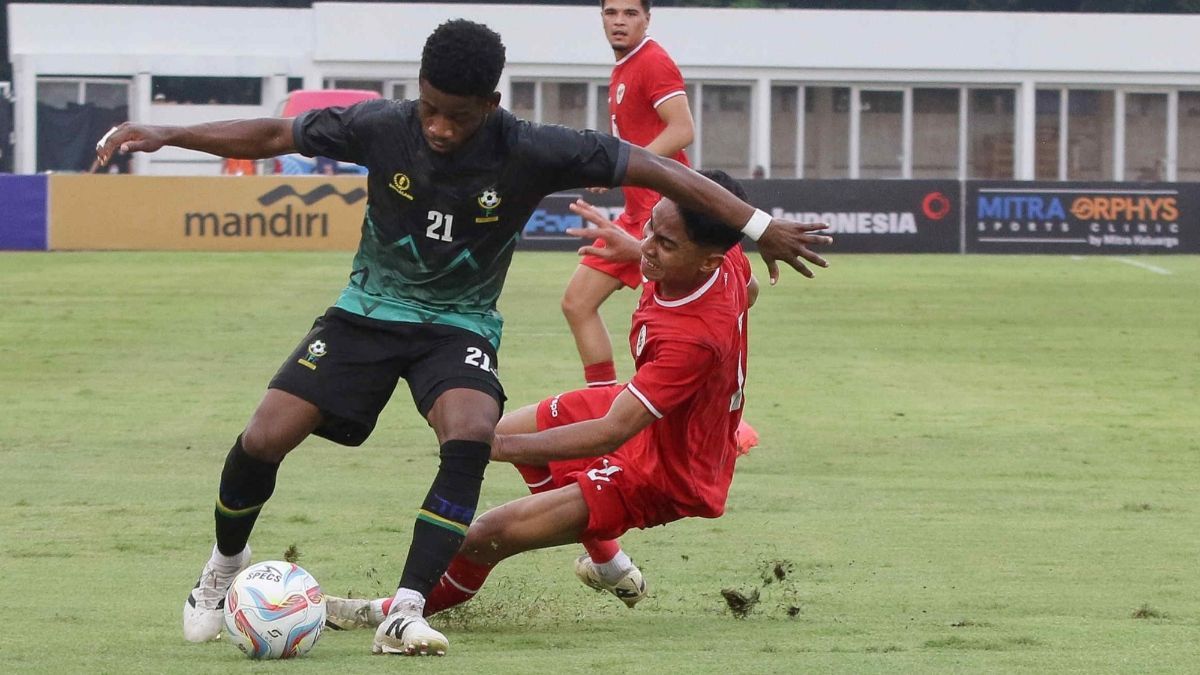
(350, 613)
(406, 632)
(204, 609)
(629, 589)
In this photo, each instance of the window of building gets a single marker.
(935, 133)
(603, 120)
(725, 130)
(1189, 136)
(1146, 137)
(1048, 133)
(524, 100)
(990, 131)
(881, 134)
(565, 103)
(1089, 135)
(784, 130)
(376, 86)
(70, 109)
(826, 132)
(207, 90)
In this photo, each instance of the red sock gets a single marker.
(537, 478)
(600, 374)
(601, 550)
(460, 583)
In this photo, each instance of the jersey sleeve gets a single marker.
(338, 133)
(661, 79)
(677, 370)
(560, 158)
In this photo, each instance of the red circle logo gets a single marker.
(935, 205)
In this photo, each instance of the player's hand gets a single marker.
(619, 245)
(788, 241)
(128, 138)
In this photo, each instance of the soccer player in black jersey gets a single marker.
(453, 180)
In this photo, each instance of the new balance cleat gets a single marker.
(629, 589)
(351, 613)
(406, 632)
(204, 609)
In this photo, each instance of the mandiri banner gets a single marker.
(217, 213)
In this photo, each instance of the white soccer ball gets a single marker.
(274, 610)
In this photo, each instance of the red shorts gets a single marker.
(628, 273)
(615, 497)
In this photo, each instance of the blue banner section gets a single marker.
(22, 213)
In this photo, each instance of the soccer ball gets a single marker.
(274, 610)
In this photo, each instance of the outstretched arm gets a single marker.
(240, 139)
(590, 438)
(679, 132)
(781, 240)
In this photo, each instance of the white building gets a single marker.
(808, 93)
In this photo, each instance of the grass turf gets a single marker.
(968, 463)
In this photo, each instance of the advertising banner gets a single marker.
(22, 213)
(546, 228)
(1080, 218)
(917, 216)
(218, 213)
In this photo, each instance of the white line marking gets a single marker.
(1146, 266)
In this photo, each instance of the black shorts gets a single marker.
(348, 366)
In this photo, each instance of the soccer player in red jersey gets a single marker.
(649, 452)
(648, 107)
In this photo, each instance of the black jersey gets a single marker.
(440, 230)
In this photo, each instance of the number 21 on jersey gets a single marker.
(441, 226)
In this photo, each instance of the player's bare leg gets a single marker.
(464, 421)
(277, 426)
(587, 290)
(604, 567)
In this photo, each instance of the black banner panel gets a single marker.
(886, 216)
(1082, 218)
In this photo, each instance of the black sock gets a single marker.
(447, 512)
(246, 484)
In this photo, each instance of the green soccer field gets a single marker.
(968, 464)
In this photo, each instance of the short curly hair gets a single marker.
(463, 58)
(706, 230)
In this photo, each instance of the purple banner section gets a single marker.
(22, 213)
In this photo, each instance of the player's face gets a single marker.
(669, 256)
(625, 24)
(448, 120)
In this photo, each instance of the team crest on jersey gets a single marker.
(620, 93)
(641, 342)
(316, 349)
(489, 201)
(401, 184)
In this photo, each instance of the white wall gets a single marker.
(384, 41)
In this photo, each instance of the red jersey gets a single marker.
(642, 81)
(691, 368)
